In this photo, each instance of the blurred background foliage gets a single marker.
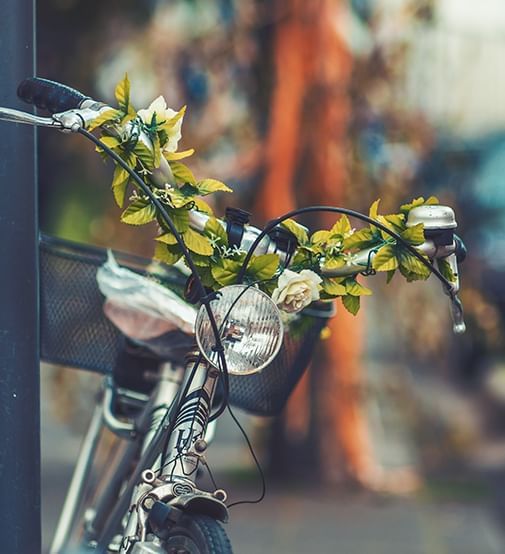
(294, 102)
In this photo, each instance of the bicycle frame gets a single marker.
(165, 445)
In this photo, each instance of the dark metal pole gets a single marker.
(20, 528)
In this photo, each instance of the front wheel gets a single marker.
(197, 534)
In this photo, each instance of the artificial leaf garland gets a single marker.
(218, 264)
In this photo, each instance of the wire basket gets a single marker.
(76, 333)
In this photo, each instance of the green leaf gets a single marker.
(341, 227)
(359, 239)
(139, 212)
(214, 229)
(389, 275)
(174, 156)
(205, 274)
(446, 270)
(199, 260)
(105, 117)
(356, 289)
(297, 230)
(351, 304)
(385, 259)
(166, 254)
(208, 186)
(263, 267)
(414, 235)
(226, 272)
(182, 173)
(334, 286)
(197, 243)
(122, 93)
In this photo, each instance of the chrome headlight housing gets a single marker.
(249, 325)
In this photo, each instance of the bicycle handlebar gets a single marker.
(77, 111)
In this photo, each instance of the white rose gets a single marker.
(296, 290)
(163, 113)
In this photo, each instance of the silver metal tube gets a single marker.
(77, 484)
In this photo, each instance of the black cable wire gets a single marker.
(310, 209)
(256, 461)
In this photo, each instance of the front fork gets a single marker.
(172, 478)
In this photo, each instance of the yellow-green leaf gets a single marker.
(119, 184)
(446, 270)
(180, 218)
(298, 230)
(334, 263)
(174, 156)
(172, 122)
(122, 93)
(197, 243)
(208, 186)
(226, 273)
(156, 151)
(412, 265)
(319, 237)
(144, 154)
(334, 286)
(414, 235)
(356, 289)
(166, 254)
(167, 238)
(341, 227)
(111, 142)
(214, 229)
(202, 206)
(359, 239)
(139, 212)
(182, 173)
(105, 117)
(351, 304)
(263, 267)
(373, 212)
(385, 259)
(405, 208)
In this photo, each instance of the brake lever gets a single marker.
(458, 321)
(17, 116)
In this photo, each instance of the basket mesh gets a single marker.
(75, 332)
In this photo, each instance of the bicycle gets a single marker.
(161, 394)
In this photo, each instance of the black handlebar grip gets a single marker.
(49, 95)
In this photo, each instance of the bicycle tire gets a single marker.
(198, 534)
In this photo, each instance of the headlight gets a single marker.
(250, 327)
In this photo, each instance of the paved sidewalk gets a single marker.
(315, 523)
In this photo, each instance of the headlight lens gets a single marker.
(250, 327)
